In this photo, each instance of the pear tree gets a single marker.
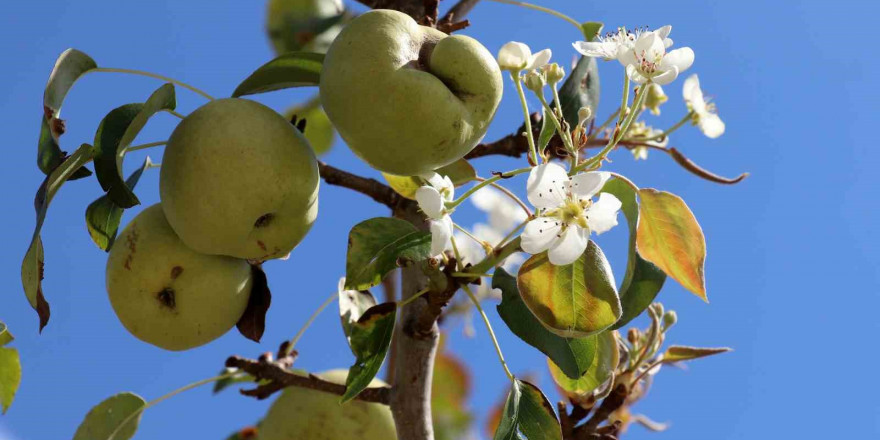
(413, 97)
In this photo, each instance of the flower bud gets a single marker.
(514, 56)
(633, 335)
(535, 81)
(584, 115)
(669, 319)
(655, 98)
(554, 73)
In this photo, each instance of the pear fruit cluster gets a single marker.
(300, 414)
(408, 99)
(238, 184)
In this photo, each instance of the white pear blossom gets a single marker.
(639, 131)
(647, 58)
(432, 200)
(566, 213)
(613, 44)
(705, 114)
(503, 213)
(515, 56)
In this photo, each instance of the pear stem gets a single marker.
(308, 323)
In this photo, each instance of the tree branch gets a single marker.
(423, 11)
(378, 191)
(280, 377)
(459, 11)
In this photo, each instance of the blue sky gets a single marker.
(792, 267)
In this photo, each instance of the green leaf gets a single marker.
(678, 353)
(319, 130)
(575, 300)
(103, 215)
(352, 305)
(69, 67)
(292, 69)
(370, 339)
(376, 245)
(642, 280)
(670, 237)
(32, 265)
(580, 89)
(600, 370)
(547, 130)
(107, 418)
(573, 355)
(460, 172)
(527, 415)
(241, 377)
(116, 133)
(5, 335)
(591, 29)
(10, 376)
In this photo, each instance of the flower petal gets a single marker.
(586, 185)
(430, 201)
(539, 59)
(711, 125)
(664, 31)
(683, 58)
(540, 234)
(666, 77)
(602, 216)
(605, 49)
(691, 89)
(441, 232)
(570, 247)
(547, 185)
(634, 75)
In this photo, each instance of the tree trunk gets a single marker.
(414, 355)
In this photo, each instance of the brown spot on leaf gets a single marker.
(261, 245)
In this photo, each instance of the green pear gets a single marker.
(304, 414)
(408, 99)
(238, 179)
(291, 23)
(168, 295)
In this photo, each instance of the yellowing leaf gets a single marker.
(573, 301)
(670, 237)
(460, 172)
(10, 376)
(678, 353)
(604, 363)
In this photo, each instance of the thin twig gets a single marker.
(378, 191)
(280, 378)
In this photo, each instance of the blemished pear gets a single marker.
(304, 414)
(408, 99)
(290, 24)
(238, 179)
(169, 295)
